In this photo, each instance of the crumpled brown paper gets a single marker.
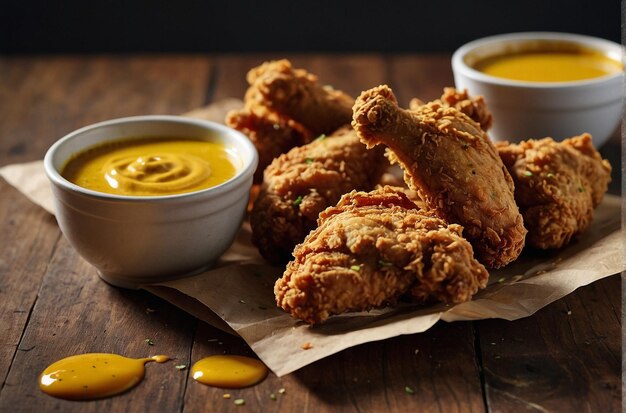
(237, 296)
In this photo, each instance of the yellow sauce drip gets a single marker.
(93, 375)
(550, 66)
(148, 167)
(229, 371)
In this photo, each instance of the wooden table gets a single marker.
(567, 357)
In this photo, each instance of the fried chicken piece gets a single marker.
(284, 108)
(298, 95)
(300, 184)
(270, 133)
(451, 162)
(474, 107)
(557, 186)
(370, 249)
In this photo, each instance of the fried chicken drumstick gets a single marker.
(300, 184)
(370, 249)
(449, 159)
(557, 186)
(286, 107)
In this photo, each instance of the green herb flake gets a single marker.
(181, 367)
(276, 126)
(549, 175)
(581, 189)
(149, 341)
(355, 268)
(384, 263)
(239, 402)
(408, 390)
(297, 201)
(321, 137)
(308, 161)
(527, 173)
(273, 396)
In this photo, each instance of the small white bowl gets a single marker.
(136, 240)
(524, 110)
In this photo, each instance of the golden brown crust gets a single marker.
(474, 107)
(298, 95)
(370, 249)
(300, 184)
(270, 133)
(286, 107)
(453, 165)
(557, 186)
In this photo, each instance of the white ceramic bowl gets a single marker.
(525, 110)
(135, 240)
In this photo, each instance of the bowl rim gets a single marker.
(459, 65)
(244, 173)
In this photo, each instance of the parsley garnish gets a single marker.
(297, 201)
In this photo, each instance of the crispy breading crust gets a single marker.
(286, 107)
(370, 249)
(300, 184)
(557, 186)
(451, 162)
(298, 95)
(473, 106)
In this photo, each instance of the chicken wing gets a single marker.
(449, 159)
(286, 107)
(300, 184)
(557, 186)
(298, 95)
(371, 248)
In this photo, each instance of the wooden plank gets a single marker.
(74, 311)
(370, 377)
(567, 357)
(29, 236)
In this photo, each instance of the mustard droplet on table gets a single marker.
(229, 371)
(93, 375)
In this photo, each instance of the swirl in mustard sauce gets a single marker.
(153, 166)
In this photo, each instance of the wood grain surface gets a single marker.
(567, 357)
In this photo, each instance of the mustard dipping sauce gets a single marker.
(229, 371)
(151, 166)
(93, 375)
(550, 66)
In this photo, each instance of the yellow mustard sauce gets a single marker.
(93, 375)
(153, 166)
(550, 66)
(229, 371)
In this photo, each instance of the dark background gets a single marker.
(95, 26)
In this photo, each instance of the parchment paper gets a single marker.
(237, 296)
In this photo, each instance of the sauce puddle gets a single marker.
(94, 375)
(228, 371)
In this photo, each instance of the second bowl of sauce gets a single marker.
(540, 84)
